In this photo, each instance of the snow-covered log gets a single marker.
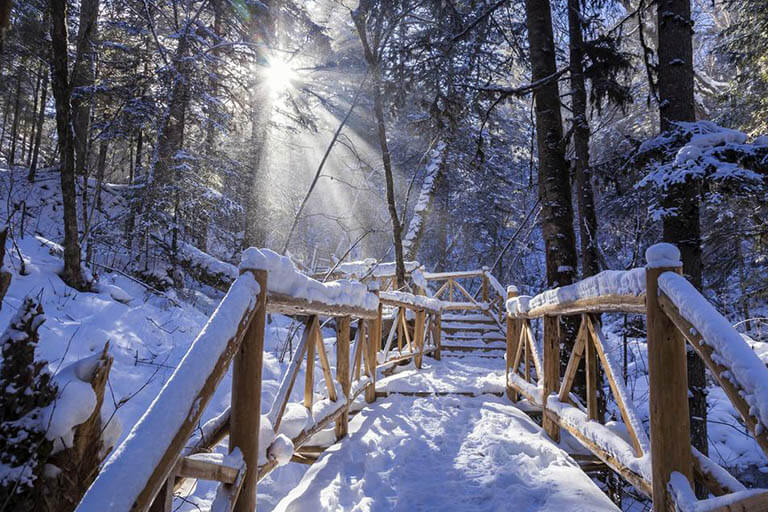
(423, 205)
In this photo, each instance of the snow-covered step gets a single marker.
(489, 336)
(473, 318)
(460, 326)
(471, 348)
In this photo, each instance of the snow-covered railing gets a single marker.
(139, 468)
(610, 291)
(156, 459)
(663, 467)
(456, 297)
(422, 338)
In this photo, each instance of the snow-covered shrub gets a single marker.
(26, 388)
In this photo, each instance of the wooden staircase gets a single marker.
(472, 333)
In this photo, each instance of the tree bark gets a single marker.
(584, 194)
(15, 123)
(554, 186)
(83, 79)
(72, 273)
(39, 128)
(681, 224)
(359, 17)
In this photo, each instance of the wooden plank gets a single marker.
(754, 503)
(418, 332)
(245, 417)
(201, 469)
(342, 370)
(359, 347)
(617, 387)
(590, 370)
(512, 338)
(325, 365)
(406, 331)
(534, 350)
(551, 375)
(718, 371)
(309, 375)
(465, 293)
(370, 358)
(277, 410)
(376, 334)
(439, 276)
(602, 304)
(227, 494)
(573, 364)
(399, 320)
(668, 382)
(287, 305)
(440, 290)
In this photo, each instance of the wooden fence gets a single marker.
(159, 456)
(534, 371)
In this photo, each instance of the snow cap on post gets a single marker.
(662, 255)
(253, 259)
(513, 289)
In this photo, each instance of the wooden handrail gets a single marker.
(668, 329)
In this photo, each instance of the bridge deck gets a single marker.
(407, 453)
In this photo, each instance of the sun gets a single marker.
(279, 75)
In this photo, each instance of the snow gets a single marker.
(746, 369)
(686, 500)
(286, 279)
(417, 301)
(462, 375)
(74, 405)
(603, 436)
(427, 192)
(370, 267)
(444, 453)
(663, 255)
(129, 468)
(281, 450)
(496, 285)
(608, 282)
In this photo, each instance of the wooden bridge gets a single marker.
(380, 329)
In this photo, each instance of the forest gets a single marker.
(522, 154)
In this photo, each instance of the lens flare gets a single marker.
(279, 75)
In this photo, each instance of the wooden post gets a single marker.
(342, 371)
(309, 377)
(246, 398)
(551, 370)
(399, 321)
(513, 338)
(418, 335)
(668, 382)
(436, 333)
(485, 285)
(590, 367)
(369, 351)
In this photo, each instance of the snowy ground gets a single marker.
(451, 375)
(445, 453)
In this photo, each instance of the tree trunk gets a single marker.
(72, 273)
(372, 60)
(256, 214)
(554, 186)
(39, 129)
(15, 124)
(83, 80)
(682, 227)
(582, 170)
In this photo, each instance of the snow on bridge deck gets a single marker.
(455, 453)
